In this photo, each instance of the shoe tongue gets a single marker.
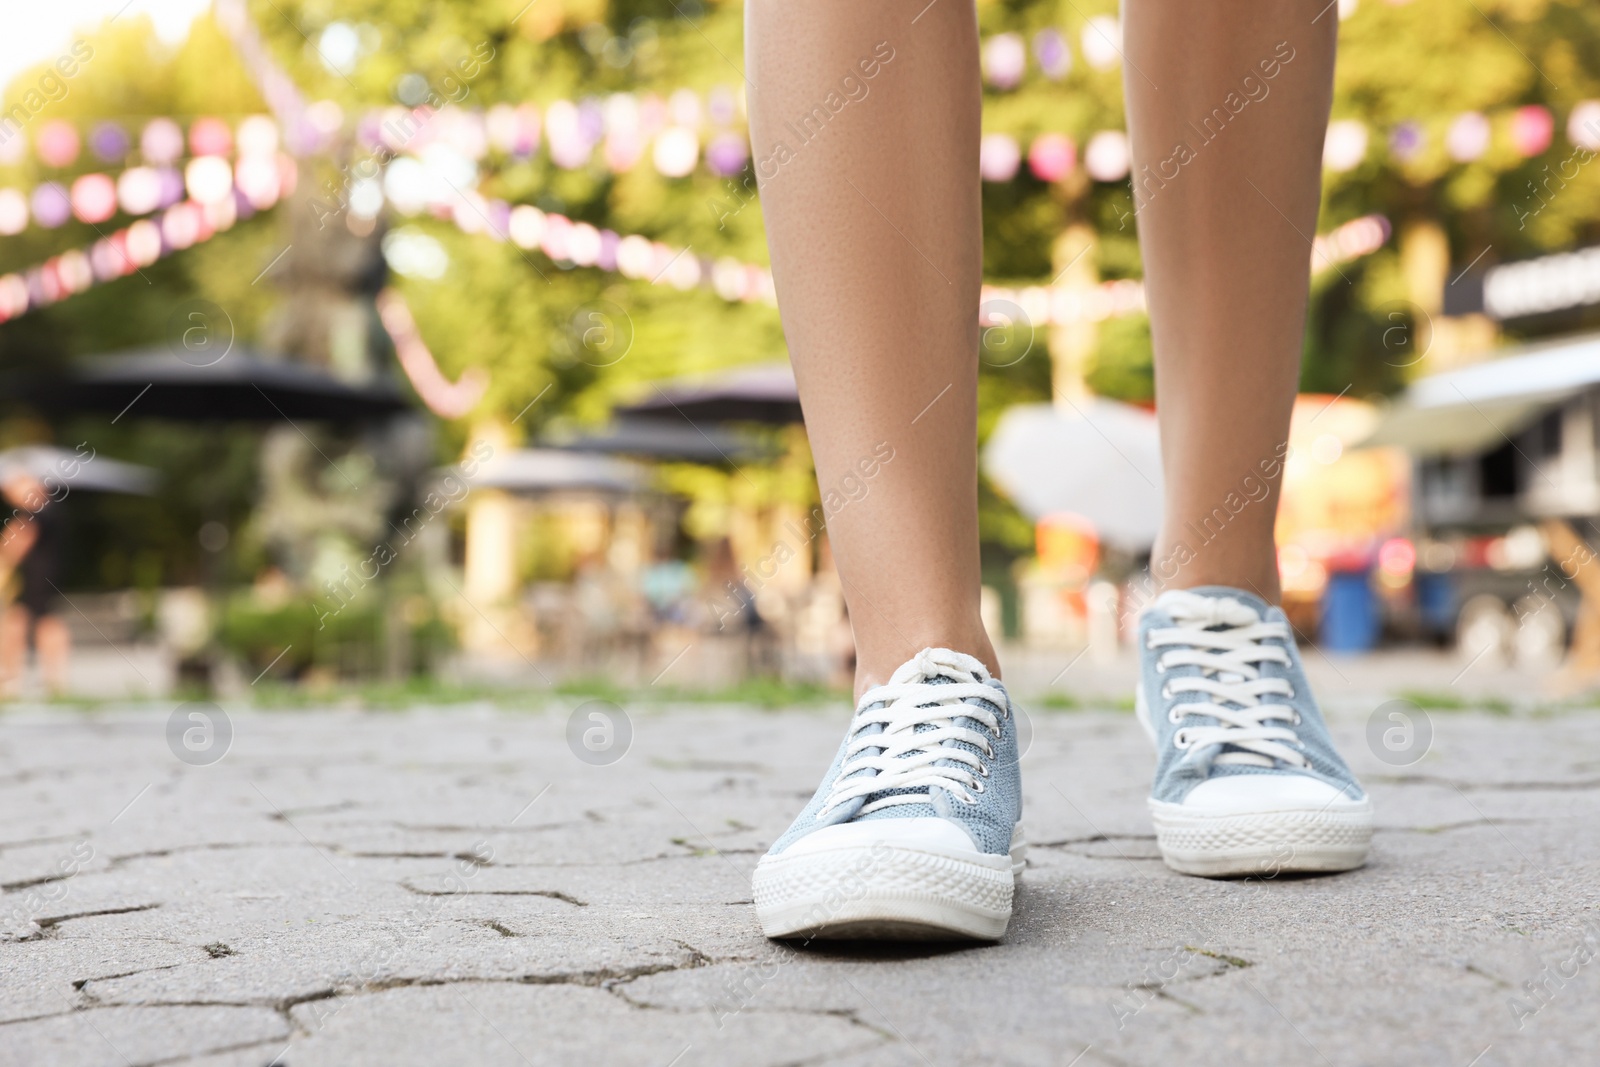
(934, 665)
(1212, 607)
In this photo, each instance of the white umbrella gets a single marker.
(549, 470)
(1093, 457)
(86, 471)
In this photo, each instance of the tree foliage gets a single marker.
(518, 315)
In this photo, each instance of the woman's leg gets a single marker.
(1227, 107)
(1228, 152)
(864, 122)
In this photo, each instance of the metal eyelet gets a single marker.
(1161, 666)
(1173, 717)
(1180, 739)
(979, 787)
(1166, 692)
(983, 770)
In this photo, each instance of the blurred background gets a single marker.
(362, 349)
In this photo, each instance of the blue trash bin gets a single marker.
(1350, 615)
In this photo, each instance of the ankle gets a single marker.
(1176, 564)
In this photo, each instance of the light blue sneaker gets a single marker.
(913, 833)
(1247, 778)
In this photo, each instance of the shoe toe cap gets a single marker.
(938, 835)
(1248, 793)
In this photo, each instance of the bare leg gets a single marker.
(864, 121)
(54, 642)
(1225, 229)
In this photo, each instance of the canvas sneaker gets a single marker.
(1247, 779)
(913, 833)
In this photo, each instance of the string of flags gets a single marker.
(1062, 304)
(622, 127)
(446, 399)
(688, 132)
(575, 243)
(569, 242)
(176, 226)
(257, 179)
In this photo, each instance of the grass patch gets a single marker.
(768, 693)
(1070, 702)
(1055, 702)
(1435, 700)
(387, 696)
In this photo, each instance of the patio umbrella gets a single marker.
(763, 393)
(51, 464)
(548, 470)
(658, 438)
(1096, 458)
(243, 386)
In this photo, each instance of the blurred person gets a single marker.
(666, 585)
(32, 553)
(735, 612)
(598, 609)
(865, 121)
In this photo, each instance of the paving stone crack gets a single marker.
(475, 860)
(451, 828)
(208, 846)
(29, 883)
(50, 922)
(191, 1057)
(218, 1051)
(1091, 839)
(35, 842)
(594, 978)
(79, 983)
(553, 894)
(319, 809)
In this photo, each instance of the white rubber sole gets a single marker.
(889, 892)
(1263, 844)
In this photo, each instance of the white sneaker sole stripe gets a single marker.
(886, 892)
(1264, 844)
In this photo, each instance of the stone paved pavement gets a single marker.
(455, 886)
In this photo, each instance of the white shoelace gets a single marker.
(1224, 638)
(918, 718)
